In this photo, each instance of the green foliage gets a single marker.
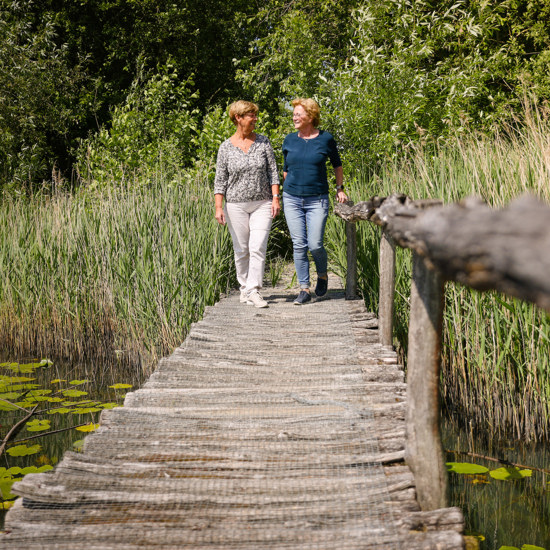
(39, 97)
(155, 128)
(23, 450)
(510, 473)
(127, 270)
(466, 468)
(302, 45)
(65, 418)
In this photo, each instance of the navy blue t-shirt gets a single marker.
(305, 163)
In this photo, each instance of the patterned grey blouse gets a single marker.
(245, 177)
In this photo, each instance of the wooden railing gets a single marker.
(506, 250)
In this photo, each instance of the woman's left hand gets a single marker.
(341, 196)
(275, 207)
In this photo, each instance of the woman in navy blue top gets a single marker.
(305, 195)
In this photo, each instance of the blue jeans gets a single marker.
(306, 218)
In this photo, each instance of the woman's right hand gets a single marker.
(220, 216)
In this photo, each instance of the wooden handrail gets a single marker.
(504, 249)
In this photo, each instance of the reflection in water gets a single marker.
(506, 513)
(66, 396)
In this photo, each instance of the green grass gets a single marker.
(117, 276)
(496, 350)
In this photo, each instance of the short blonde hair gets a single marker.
(241, 108)
(311, 107)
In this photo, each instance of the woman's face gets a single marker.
(247, 122)
(300, 118)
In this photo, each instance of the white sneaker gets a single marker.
(254, 299)
(244, 297)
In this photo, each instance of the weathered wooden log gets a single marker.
(387, 289)
(351, 259)
(469, 242)
(424, 449)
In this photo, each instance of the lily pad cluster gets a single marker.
(481, 474)
(507, 473)
(35, 406)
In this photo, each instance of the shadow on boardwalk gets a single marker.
(268, 428)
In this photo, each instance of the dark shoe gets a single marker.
(322, 286)
(302, 298)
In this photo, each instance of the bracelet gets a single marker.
(276, 196)
(339, 187)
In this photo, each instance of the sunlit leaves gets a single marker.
(27, 367)
(23, 450)
(20, 394)
(121, 386)
(510, 473)
(466, 468)
(88, 428)
(37, 425)
(74, 393)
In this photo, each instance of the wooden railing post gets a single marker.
(424, 450)
(351, 259)
(387, 289)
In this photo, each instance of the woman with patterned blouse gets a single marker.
(247, 178)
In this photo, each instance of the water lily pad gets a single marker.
(23, 450)
(61, 410)
(5, 488)
(5, 406)
(36, 470)
(88, 427)
(10, 396)
(78, 382)
(15, 379)
(7, 504)
(112, 406)
(74, 393)
(86, 410)
(466, 468)
(78, 444)
(42, 392)
(27, 367)
(54, 399)
(510, 473)
(58, 381)
(38, 425)
(508, 548)
(121, 386)
(532, 547)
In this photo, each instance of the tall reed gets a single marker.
(117, 275)
(496, 350)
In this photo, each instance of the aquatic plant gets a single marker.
(496, 350)
(39, 406)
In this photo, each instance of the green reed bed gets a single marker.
(496, 350)
(116, 275)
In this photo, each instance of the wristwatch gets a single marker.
(339, 187)
(276, 195)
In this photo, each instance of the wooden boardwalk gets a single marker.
(276, 428)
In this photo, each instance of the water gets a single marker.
(501, 513)
(68, 395)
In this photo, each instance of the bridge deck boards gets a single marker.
(279, 428)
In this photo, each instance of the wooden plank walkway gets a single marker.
(279, 428)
